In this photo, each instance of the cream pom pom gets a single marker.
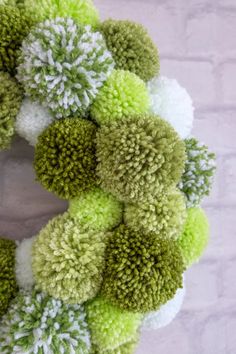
(172, 102)
(23, 266)
(32, 119)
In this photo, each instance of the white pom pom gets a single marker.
(32, 119)
(23, 267)
(172, 102)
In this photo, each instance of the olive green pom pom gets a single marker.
(195, 236)
(8, 286)
(122, 95)
(65, 160)
(139, 157)
(127, 348)
(165, 216)
(96, 210)
(131, 47)
(10, 101)
(68, 263)
(142, 271)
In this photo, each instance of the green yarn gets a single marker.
(8, 286)
(10, 101)
(199, 171)
(139, 157)
(96, 210)
(165, 216)
(122, 95)
(142, 271)
(65, 160)
(127, 348)
(131, 47)
(68, 263)
(110, 327)
(194, 238)
(39, 324)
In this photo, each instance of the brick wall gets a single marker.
(197, 44)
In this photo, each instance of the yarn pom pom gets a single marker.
(195, 236)
(172, 102)
(96, 210)
(8, 286)
(109, 326)
(199, 172)
(23, 266)
(67, 263)
(63, 65)
(65, 160)
(127, 348)
(122, 95)
(37, 323)
(131, 47)
(142, 271)
(31, 120)
(165, 216)
(139, 157)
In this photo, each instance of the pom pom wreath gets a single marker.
(14, 27)
(10, 100)
(31, 121)
(194, 238)
(139, 157)
(199, 171)
(63, 66)
(23, 266)
(122, 95)
(166, 314)
(131, 47)
(172, 102)
(110, 327)
(165, 216)
(37, 323)
(65, 160)
(96, 210)
(142, 272)
(8, 286)
(67, 263)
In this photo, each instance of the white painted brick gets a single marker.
(228, 82)
(229, 166)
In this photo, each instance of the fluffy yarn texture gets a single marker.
(65, 160)
(63, 65)
(8, 286)
(142, 271)
(110, 327)
(127, 348)
(10, 100)
(31, 120)
(39, 324)
(23, 266)
(67, 263)
(194, 238)
(131, 47)
(96, 210)
(139, 157)
(172, 102)
(165, 216)
(122, 95)
(199, 171)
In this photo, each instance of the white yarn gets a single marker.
(23, 267)
(172, 102)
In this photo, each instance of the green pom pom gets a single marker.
(142, 271)
(8, 286)
(165, 216)
(122, 95)
(139, 157)
(127, 348)
(65, 160)
(37, 323)
(199, 171)
(195, 236)
(131, 47)
(96, 210)
(68, 263)
(10, 101)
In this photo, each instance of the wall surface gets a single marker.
(197, 44)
